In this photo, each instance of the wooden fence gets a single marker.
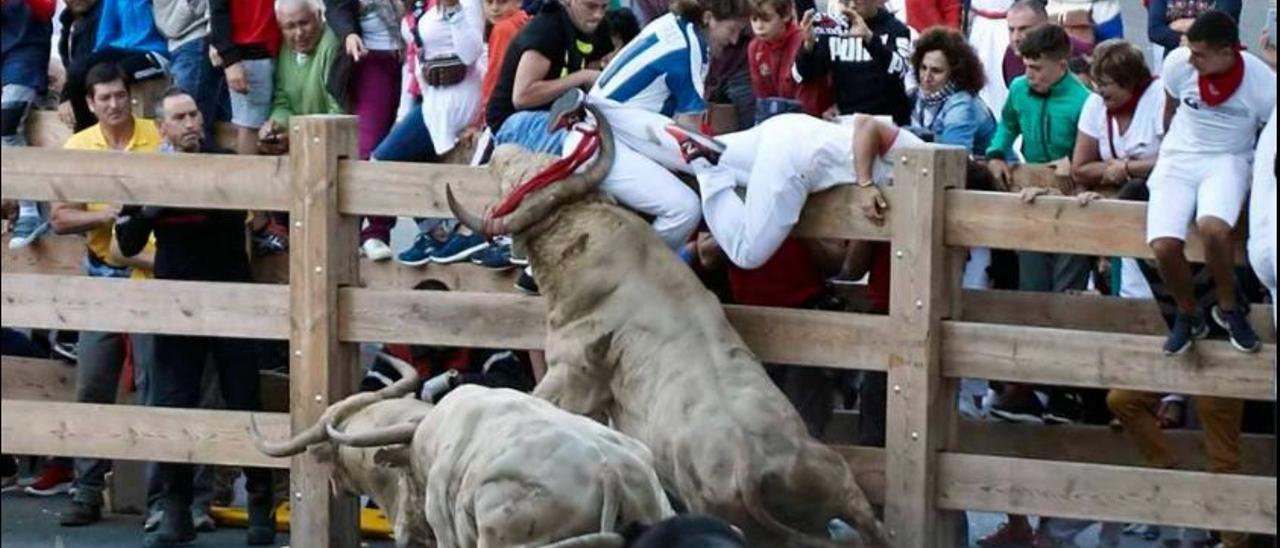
(935, 334)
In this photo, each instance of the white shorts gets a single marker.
(1187, 187)
(252, 109)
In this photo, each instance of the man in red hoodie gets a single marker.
(245, 41)
(771, 55)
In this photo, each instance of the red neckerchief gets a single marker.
(1126, 109)
(562, 168)
(1217, 89)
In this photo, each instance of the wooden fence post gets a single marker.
(322, 258)
(919, 401)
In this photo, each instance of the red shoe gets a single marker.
(54, 480)
(696, 146)
(1009, 536)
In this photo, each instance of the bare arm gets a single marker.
(145, 259)
(69, 218)
(531, 90)
(1087, 167)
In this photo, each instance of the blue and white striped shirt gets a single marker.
(661, 70)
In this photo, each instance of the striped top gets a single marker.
(661, 70)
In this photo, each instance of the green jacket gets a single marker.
(302, 85)
(1047, 124)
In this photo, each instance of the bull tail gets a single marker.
(593, 540)
(754, 505)
(611, 503)
(858, 511)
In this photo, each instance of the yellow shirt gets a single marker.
(146, 138)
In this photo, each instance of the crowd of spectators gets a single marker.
(1019, 84)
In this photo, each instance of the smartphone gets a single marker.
(1271, 27)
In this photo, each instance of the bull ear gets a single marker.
(393, 457)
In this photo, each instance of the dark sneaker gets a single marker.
(1008, 536)
(460, 247)
(203, 521)
(420, 252)
(526, 284)
(1064, 408)
(696, 146)
(80, 514)
(566, 110)
(1236, 324)
(62, 344)
(495, 257)
(1027, 409)
(27, 229)
(262, 522)
(1186, 329)
(56, 479)
(271, 239)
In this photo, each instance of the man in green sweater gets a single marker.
(1044, 109)
(303, 71)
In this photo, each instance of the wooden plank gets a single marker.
(1104, 360)
(776, 335)
(833, 213)
(1104, 492)
(136, 433)
(1084, 312)
(36, 379)
(62, 255)
(253, 311)
(1101, 445)
(1053, 224)
(322, 258)
(920, 403)
(176, 180)
(410, 189)
(44, 129)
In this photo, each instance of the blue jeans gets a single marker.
(192, 72)
(410, 141)
(528, 128)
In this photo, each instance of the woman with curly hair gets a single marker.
(946, 108)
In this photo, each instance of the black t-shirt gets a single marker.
(552, 34)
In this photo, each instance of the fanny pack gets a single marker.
(444, 71)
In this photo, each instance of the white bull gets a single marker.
(497, 468)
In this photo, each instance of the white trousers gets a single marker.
(990, 39)
(779, 162)
(641, 178)
(1190, 187)
(1262, 211)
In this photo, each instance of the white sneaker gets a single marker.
(376, 250)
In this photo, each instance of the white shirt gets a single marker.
(446, 111)
(1142, 139)
(661, 70)
(1229, 128)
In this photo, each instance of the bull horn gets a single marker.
(467, 218)
(314, 434)
(297, 444)
(392, 435)
(537, 206)
(593, 540)
(409, 378)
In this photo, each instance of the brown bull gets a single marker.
(634, 336)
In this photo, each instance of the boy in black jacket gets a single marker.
(867, 51)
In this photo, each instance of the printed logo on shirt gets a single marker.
(1194, 102)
